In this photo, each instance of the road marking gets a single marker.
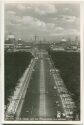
(42, 107)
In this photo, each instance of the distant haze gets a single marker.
(48, 21)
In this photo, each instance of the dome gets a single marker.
(19, 39)
(63, 40)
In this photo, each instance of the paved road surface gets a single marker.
(42, 104)
(42, 100)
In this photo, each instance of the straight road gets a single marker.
(42, 100)
(44, 97)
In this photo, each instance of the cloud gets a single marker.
(12, 18)
(56, 34)
(21, 6)
(50, 26)
(45, 9)
(32, 22)
(70, 19)
(66, 9)
(10, 12)
(59, 28)
(74, 32)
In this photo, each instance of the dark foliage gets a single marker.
(69, 65)
(15, 64)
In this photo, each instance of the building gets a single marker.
(10, 42)
(59, 46)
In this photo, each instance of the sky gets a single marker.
(48, 21)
